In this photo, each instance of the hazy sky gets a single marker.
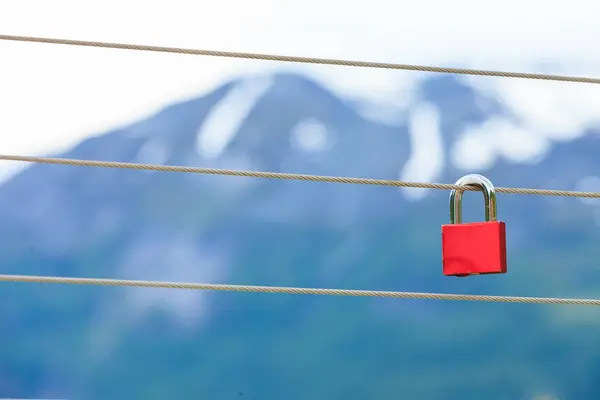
(51, 96)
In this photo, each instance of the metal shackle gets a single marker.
(489, 195)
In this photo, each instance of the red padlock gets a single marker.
(474, 248)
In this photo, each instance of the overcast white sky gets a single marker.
(52, 96)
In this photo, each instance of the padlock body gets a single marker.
(474, 248)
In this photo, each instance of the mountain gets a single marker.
(96, 342)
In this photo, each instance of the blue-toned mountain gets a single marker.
(142, 343)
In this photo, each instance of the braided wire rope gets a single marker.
(296, 290)
(296, 59)
(289, 290)
(280, 175)
(273, 175)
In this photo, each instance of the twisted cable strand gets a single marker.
(296, 290)
(295, 59)
(280, 175)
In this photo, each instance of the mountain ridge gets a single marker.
(95, 222)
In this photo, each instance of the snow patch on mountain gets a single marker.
(312, 136)
(229, 115)
(153, 152)
(557, 110)
(427, 156)
(481, 145)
